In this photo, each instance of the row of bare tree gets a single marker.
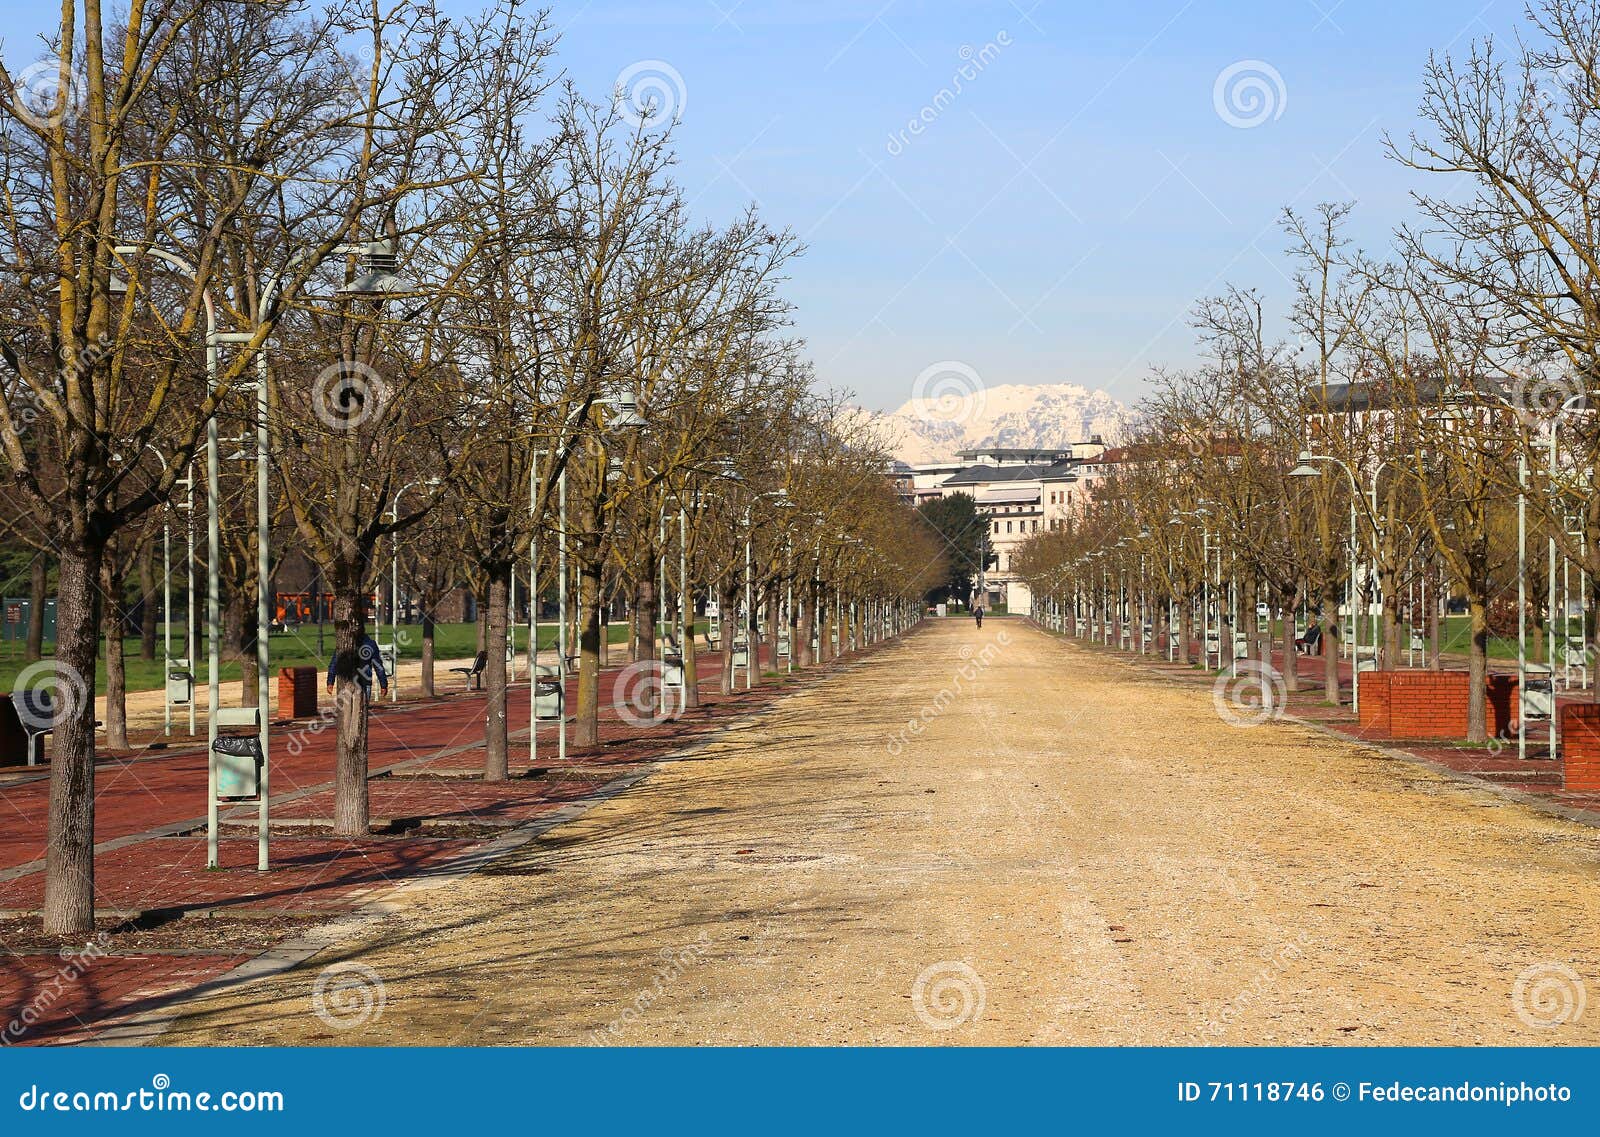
(1443, 392)
(456, 285)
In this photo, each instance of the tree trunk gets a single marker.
(808, 622)
(691, 670)
(38, 583)
(644, 612)
(586, 726)
(1330, 646)
(820, 621)
(496, 743)
(1436, 612)
(351, 816)
(427, 652)
(69, 850)
(726, 600)
(1186, 632)
(113, 614)
(149, 601)
(249, 629)
(1478, 672)
(772, 629)
(1291, 656)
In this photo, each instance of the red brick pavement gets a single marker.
(50, 1001)
(418, 753)
(1495, 763)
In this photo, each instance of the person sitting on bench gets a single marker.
(1307, 644)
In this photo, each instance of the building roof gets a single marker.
(1009, 496)
(975, 475)
(1018, 454)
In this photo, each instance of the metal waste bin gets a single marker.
(672, 670)
(180, 683)
(237, 757)
(741, 653)
(547, 694)
(1538, 693)
(783, 647)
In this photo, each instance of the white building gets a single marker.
(1019, 491)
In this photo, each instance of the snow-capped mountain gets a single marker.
(956, 415)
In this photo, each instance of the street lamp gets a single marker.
(780, 497)
(214, 553)
(624, 416)
(1305, 469)
(394, 581)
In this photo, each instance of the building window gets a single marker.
(1008, 526)
(1035, 524)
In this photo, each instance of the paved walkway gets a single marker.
(1066, 849)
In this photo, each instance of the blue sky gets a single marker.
(1057, 218)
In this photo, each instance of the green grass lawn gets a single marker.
(297, 648)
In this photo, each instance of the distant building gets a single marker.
(1019, 491)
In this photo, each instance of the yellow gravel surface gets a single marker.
(1064, 849)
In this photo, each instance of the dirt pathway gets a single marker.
(1066, 850)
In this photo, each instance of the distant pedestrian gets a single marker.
(977, 614)
(369, 666)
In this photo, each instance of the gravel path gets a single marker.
(1065, 850)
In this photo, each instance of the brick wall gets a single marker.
(297, 692)
(1433, 704)
(1580, 747)
(1428, 704)
(1375, 701)
(1500, 712)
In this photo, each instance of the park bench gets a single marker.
(25, 718)
(474, 674)
(1307, 644)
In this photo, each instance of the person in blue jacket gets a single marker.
(369, 666)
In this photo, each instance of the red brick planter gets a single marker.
(1375, 700)
(1432, 704)
(1580, 747)
(297, 693)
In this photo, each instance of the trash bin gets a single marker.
(672, 670)
(180, 683)
(238, 761)
(741, 653)
(547, 694)
(1538, 693)
(783, 647)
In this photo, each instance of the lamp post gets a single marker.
(394, 580)
(750, 650)
(377, 282)
(624, 416)
(213, 549)
(1306, 470)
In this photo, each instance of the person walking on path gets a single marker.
(369, 666)
(977, 614)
